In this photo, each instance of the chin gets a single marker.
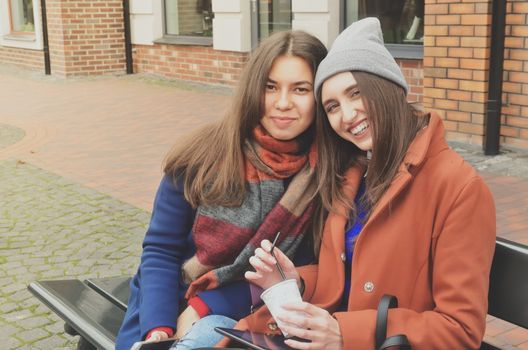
(280, 136)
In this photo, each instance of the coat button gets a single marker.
(368, 287)
(272, 326)
(343, 257)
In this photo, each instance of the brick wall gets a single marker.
(191, 63)
(86, 37)
(514, 128)
(203, 64)
(413, 72)
(31, 59)
(456, 53)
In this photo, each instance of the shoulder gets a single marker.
(447, 175)
(171, 189)
(447, 164)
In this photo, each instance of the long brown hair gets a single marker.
(210, 160)
(394, 123)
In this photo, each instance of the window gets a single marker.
(22, 20)
(273, 16)
(189, 18)
(401, 20)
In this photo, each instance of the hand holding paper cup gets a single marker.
(279, 294)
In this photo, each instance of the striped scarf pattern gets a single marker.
(226, 237)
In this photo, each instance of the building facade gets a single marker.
(442, 46)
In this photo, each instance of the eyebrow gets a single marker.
(302, 82)
(351, 87)
(347, 90)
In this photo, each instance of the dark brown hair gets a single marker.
(394, 123)
(210, 160)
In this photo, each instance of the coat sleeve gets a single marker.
(167, 244)
(462, 254)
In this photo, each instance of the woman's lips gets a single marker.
(282, 122)
(359, 129)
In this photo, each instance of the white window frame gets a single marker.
(32, 41)
(403, 51)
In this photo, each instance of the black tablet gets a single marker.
(161, 345)
(254, 340)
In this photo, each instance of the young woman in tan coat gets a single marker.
(407, 216)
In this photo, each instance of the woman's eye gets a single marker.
(354, 93)
(302, 90)
(270, 87)
(331, 108)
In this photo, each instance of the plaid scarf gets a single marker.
(226, 237)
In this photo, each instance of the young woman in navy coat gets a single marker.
(227, 187)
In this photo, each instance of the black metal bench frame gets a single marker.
(94, 309)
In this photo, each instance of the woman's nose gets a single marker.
(349, 114)
(283, 101)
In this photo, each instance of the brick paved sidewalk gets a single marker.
(79, 164)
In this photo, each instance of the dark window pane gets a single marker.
(188, 17)
(274, 16)
(22, 16)
(401, 20)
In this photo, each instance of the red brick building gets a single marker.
(443, 46)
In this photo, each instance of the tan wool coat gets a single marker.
(429, 242)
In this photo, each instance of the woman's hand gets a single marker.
(266, 273)
(316, 325)
(157, 336)
(185, 321)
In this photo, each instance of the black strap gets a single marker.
(396, 340)
(387, 302)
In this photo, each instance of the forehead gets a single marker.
(289, 67)
(337, 84)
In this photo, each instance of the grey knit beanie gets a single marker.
(360, 48)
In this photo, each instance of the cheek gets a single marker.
(307, 107)
(334, 122)
(267, 104)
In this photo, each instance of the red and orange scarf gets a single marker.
(226, 237)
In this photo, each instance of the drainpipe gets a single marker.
(128, 40)
(47, 63)
(493, 111)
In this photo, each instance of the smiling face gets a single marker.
(289, 104)
(345, 110)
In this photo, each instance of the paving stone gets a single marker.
(21, 294)
(22, 270)
(16, 316)
(7, 307)
(5, 281)
(34, 322)
(11, 343)
(6, 330)
(52, 342)
(32, 335)
(523, 346)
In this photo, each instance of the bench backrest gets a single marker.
(508, 292)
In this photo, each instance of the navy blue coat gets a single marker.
(157, 289)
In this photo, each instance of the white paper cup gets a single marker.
(279, 294)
